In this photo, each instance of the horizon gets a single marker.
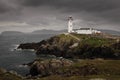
(50, 30)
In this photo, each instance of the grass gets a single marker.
(9, 76)
(66, 38)
(88, 39)
(107, 67)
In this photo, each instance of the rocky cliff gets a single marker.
(78, 46)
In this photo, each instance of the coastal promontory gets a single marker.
(78, 46)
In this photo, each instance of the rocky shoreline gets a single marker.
(76, 55)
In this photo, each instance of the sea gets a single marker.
(12, 58)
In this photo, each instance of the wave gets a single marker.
(22, 66)
(32, 50)
(15, 47)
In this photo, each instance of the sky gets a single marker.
(30, 15)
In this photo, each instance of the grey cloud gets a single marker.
(87, 5)
(105, 9)
(3, 7)
(52, 14)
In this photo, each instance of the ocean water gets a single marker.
(12, 59)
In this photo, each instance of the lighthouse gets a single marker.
(80, 30)
(70, 25)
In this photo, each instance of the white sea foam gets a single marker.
(15, 47)
(31, 49)
(22, 66)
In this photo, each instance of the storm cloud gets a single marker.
(30, 15)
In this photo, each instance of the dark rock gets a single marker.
(61, 67)
(116, 45)
(34, 46)
(48, 67)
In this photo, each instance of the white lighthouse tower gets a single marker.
(70, 25)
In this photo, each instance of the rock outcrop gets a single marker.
(61, 67)
(48, 66)
(34, 46)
